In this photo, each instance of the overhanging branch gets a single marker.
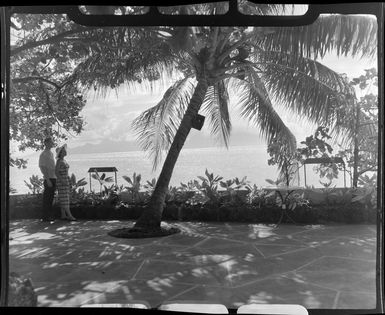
(36, 78)
(50, 40)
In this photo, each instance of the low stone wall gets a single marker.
(28, 206)
(324, 208)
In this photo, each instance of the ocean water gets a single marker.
(237, 161)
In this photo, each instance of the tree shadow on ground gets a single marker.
(75, 263)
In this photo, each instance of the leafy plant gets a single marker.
(366, 181)
(288, 200)
(190, 186)
(326, 184)
(268, 196)
(209, 187)
(172, 194)
(35, 184)
(367, 193)
(77, 192)
(241, 183)
(134, 186)
(229, 189)
(232, 188)
(76, 184)
(361, 120)
(227, 184)
(286, 159)
(191, 193)
(332, 194)
(328, 171)
(90, 198)
(150, 186)
(183, 194)
(295, 199)
(278, 182)
(256, 196)
(102, 179)
(111, 194)
(317, 146)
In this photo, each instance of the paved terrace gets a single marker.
(77, 263)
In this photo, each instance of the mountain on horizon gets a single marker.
(194, 140)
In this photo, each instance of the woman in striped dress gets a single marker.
(63, 183)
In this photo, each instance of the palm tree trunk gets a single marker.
(152, 215)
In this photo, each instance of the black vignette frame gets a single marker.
(152, 18)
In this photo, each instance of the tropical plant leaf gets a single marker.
(257, 107)
(156, 127)
(81, 182)
(358, 198)
(216, 106)
(270, 181)
(224, 184)
(202, 178)
(95, 176)
(127, 179)
(343, 34)
(114, 59)
(307, 88)
(270, 194)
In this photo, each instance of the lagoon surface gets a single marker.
(237, 161)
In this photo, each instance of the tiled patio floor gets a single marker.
(76, 263)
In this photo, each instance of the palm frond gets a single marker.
(156, 127)
(131, 71)
(345, 130)
(307, 88)
(256, 106)
(148, 58)
(216, 106)
(344, 34)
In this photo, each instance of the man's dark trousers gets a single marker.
(48, 195)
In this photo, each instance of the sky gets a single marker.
(110, 117)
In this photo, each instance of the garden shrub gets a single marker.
(30, 208)
(21, 292)
(200, 200)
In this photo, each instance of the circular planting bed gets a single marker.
(134, 232)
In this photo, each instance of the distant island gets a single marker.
(194, 140)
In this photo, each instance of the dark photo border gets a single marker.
(231, 18)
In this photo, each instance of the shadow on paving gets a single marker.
(76, 263)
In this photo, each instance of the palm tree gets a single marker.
(260, 64)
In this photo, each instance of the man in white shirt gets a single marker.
(47, 167)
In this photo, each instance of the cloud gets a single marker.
(111, 117)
